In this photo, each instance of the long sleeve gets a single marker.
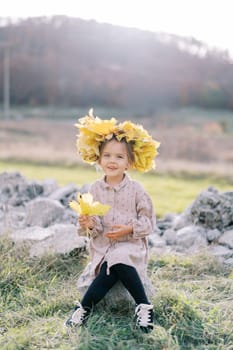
(98, 225)
(145, 222)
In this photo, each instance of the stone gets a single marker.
(15, 190)
(38, 214)
(43, 212)
(213, 235)
(166, 222)
(9, 184)
(212, 209)
(182, 220)
(14, 217)
(190, 236)
(227, 239)
(49, 186)
(63, 193)
(56, 239)
(34, 233)
(62, 240)
(228, 262)
(156, 241)
(220, 251)
(170, 236)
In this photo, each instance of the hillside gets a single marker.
(72, 62)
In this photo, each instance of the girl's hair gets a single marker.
(128, 145)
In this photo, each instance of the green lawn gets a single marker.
(169, 193)
(193, 306)
(193, 301)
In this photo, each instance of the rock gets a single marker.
(213, 210)
(25, 193)
(170, 236)
(228, 261)
(9, 184)
(62, 194)
(84, 188)
(43, 212)
(66, 194)
(56, 239)
(213, 235)
(13, 179)
(166, 222)
(62, 240)
(30, 234)
(220, 251)
(191, 237)
(182, 220)
(15, 190)
(14, 217)
(227, 239)
(49, 186)
(156, 241)
(38, 212)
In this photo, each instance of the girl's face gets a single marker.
(114, 160)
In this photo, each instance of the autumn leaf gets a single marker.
(86, 206)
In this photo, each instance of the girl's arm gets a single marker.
(145, 222)
(138, 227)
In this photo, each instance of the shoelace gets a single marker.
(79, 314)
(144, 315)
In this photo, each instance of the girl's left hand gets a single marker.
(119, 231)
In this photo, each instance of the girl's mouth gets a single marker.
(111, 168)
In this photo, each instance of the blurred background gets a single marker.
(167, 65)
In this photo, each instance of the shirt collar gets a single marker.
(117, 187)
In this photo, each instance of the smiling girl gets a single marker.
(119, 239)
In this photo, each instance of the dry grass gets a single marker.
(193, 305)
(185, 149)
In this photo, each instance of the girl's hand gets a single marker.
(119, 231)
(86, 221)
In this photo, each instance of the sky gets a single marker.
(209, 21)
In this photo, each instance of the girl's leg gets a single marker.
(96, 291)
(99, 287)
(132, 282)
(129, 277)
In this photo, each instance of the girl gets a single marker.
(118, 240)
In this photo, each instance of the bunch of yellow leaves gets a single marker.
(145, 149)
(85, 205)
(93, 131)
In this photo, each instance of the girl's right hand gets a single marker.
(86, 221)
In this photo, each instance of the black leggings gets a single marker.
(103, 283)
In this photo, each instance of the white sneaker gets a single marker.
(78, 316)
(145, 316)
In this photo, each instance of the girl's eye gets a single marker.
(121, 157)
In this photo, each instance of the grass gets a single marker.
(193, 305)
(193, 302)
(169, 193)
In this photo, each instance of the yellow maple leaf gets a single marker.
(86, 206)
